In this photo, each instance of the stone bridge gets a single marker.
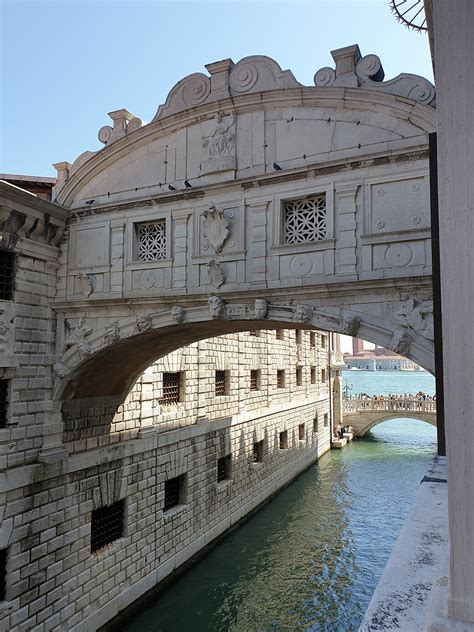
(250, 201)
(364, 414)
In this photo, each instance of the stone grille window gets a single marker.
(326, 420)
(107, 525)
(223, 468)
(283, 443)
(221, 383)
(301, 432)
(315, 424)
(254, 380)
(257, 456)
(171, 389)
(280, 378)
(151, 237)
(312, 339)
(299, 376)
(280, 334)
(313, 375)
(3, 574)
(305, 220)
(7, 275)
(174, 489)
(3, 402)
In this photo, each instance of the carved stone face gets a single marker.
(143, 323)
(303, 313)
(350, 326)
(177, 313)
(261, 307)
(216, 306)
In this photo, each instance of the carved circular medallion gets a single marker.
(417, 220)
(244, 77)
(398, 255)
(147, 279)
(380, 225)
(196, 90)
(301, 265)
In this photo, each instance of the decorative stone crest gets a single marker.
(143, 322)
(261, 308)
(88, 283)
(178, 313)
(350, 326)
(400, 342)
(216, 307)
(76, 335)
(215, 273)
(112, 333)
(219, 145)
(303, 313)
(417, 316)
(215, 227)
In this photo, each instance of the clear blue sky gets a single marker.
(65, 64)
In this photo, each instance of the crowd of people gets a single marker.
(420, 396)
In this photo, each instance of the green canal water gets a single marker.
(310, 558)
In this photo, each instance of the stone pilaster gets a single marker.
(346, 221)
(257, 221)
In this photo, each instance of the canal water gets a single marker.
(310, 558)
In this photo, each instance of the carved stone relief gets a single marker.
(418, 316)
(143, 322)
(219, 145)
(215, 273)
(350, 326)
(88, 283)
(60, 369)
(261, 307)
(303, 313)
(215, 227)
(216, 307)
(400, 342)
(112, 333)
(76, 335)
(178, 313)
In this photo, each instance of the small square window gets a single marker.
(255, 380)
(326, 420)
(221, 383)
(107, 525)
(323, 375)
(171, 389)
(257, 455)
(280, 334)
(315, 424)
(283, 440)
(312, 339)
(301, 432)
(313, 375)
(174, 492)
(4, 402)
(151, 240)
(280, 378)
(224, 468)
(299, 376)
(7, 275)
(3, 574)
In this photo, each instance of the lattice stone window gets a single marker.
(107, 525)
(305, 219)
(151, 240)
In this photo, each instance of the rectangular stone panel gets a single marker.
(398, 206)
(91, 247)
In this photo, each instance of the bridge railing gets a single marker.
(396, 405)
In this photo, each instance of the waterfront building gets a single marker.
(373, 361)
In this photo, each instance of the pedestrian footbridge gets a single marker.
(364, 414)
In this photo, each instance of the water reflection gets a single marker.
(310, 559)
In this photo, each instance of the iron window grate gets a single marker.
(220, 386)
(313, 375)
(312, 339)
(280, 334)
(7, 275)
(299, 376)
(301, 432)
(280, 378)
(171, 389)
(315, 424)
(326, 420)
(223, 468)
(257, 456)
(323, 375)
(173, 488)
(283, 440)
(3, 574)
(107, 525)
(254, 380)
(3, 402)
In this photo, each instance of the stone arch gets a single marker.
(386, 416)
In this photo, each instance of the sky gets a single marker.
(65, 64)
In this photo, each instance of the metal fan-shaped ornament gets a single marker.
(411, 13)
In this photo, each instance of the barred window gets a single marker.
(326, 420)
(107, 525)
(221, 382)
(305, 220)
(315, 424)
(298, 336)
(280, 334)
(312, 339)
(3, 402)
(280, 378)
(323, 375)
(257, 456)
(323, 342)
(7, 275)
(3, 574)
(313, 375)
(174, 492)
(283, 443)
(301, 432)
(299, 376)
(254, 380)
(151, 238)
(224, 468)
(171, 389)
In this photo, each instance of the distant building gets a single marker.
(377, 361)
